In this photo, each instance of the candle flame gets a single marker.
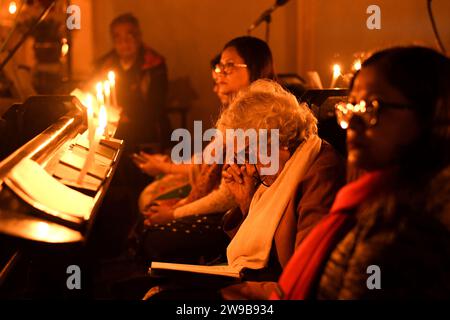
(100, 98)
(112, 78)
(99, 87)
(107, 88)
(343, 124)
(12, 7)
(357, 65)
(336, 70)
(64, 48)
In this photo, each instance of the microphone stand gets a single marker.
(266, 17)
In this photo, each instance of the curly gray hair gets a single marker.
(266, 105)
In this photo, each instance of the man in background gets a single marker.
(141, 86)
(141, 82)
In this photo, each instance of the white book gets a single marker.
(37, 186)
(218, 270)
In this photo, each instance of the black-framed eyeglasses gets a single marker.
(258, 178)
(245, 160)
(227, 68)
(367, 111)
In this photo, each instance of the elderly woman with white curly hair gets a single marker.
(276, 211)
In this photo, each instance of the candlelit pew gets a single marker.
(42, 199)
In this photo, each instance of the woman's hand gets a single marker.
(240, 183)
(158, 214)
(151, 164)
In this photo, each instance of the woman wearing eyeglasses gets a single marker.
(192, 228)
(277, 209)
(388, 233)
(243, 60)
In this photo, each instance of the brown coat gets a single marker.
(314, 198)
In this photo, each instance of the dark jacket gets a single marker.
(142, 93)
(406, 237)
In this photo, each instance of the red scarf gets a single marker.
(304, 268)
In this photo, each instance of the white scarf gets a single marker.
(250, 247)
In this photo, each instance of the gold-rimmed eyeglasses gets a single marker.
(367, 111)
(227, 68)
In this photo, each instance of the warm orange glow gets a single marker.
(42, 229)
(90, 117)
(357, 65)
(80, 95)
(107, 88)
(112, 78)
(64, 47)
(89, 101)
(336, 74)
(12, 7)
(102, 118)
(90, 106)
(112, 83)
(99, 89)
(343, 124)
(336, 70)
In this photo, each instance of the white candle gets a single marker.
(90, 158)
(90, 116)
(107, 91)
(104, 117)
(100, 97)
(112, 83)
(336, 74)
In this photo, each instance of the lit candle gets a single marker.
(357, 65)
(107, 91)
(90, 116)
(104, 116)
(12, 7)
(90, 158)
(336, 74)
(100, 97)
(112, 83)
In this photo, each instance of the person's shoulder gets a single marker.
(152, 59)
(398, 223)
(327, 151)
(329, 160)
(410, 249)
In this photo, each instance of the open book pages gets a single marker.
(69, 176)
(77, 159)
(43, 190)
(219, 270)
(83, 141)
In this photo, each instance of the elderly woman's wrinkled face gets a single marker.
(271, 157)
(236, 78)
(379, 146)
